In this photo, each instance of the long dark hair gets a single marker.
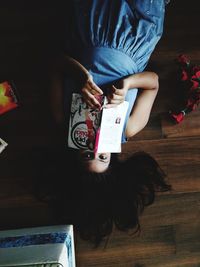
(96, 202)
(118, 198)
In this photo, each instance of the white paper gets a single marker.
(112, 123)
(3, 145)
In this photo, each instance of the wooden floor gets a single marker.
(170, 233)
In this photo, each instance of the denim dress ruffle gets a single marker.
(114, 38)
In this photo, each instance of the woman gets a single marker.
(108, 45)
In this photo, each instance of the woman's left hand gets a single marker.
(91, 93)
(117, 93)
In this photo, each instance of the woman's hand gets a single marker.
(90, 93)
(117, 93)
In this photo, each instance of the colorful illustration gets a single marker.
(8, 99)
(84, 123)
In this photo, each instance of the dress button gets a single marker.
(147, 12)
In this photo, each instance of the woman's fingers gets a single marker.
(116, 97)
(121, 92)
(113, 103)
(90, 104)
(91, 100)
(109, 105)
(91, 92)
(94, 88)
(95, 102)
(116, 102)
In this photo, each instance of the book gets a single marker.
(98, 130)
(45, 246)
(8, 96)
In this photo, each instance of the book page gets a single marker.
(111, 128)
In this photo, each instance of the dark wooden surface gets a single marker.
(171, 226)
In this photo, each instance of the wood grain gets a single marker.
(30, 37)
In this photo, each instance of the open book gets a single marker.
(3, 145)
(94, 129)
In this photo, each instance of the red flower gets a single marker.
(195, 84)
(197, 74)
(178, 117)
(183, 60)
(184, 76)
(195, 69)
(191, 105)
(193, 100)
(191, 74)
(195, 79)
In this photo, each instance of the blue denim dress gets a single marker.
(115, 38)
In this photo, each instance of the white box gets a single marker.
(46, 246)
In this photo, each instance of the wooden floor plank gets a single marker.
(188, 237)
(171, 226)
(190, 126)
(178, 152)
(172, 210)
(183, 260)
(179, 158)
(118, 251)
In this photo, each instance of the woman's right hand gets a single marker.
(117, 93)
(90, 93)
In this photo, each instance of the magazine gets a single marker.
(98, 130)
(8, 96)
